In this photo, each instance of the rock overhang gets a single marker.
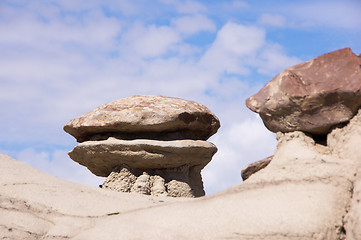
(149, 116)
(101, 157)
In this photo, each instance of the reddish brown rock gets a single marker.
(313, 96)
(255, 167)
(149, 116)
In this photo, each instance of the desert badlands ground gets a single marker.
(306, 192)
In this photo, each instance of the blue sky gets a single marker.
(61, 59)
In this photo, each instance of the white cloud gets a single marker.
(239, 4)
(239, 48)
(331, 14)
(127, 8)
(235, 5)
(272, 59)
(274, 20)
(191, 7)
(69, 5)
(150, 41)
(93, 30)
(186, 6)
(190, 25)
(233, 44)
(239, 39)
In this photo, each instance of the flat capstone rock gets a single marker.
(149, 116)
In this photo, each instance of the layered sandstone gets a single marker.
(101, 157)
(146, 142)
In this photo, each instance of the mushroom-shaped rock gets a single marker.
(149, 116)
(138, 141)
(312, 97)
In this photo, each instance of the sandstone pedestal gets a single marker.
(124, 162)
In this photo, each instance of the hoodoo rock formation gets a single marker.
(146, 144)
(312, 97)
(310, 189)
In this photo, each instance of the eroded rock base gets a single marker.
(182, 181)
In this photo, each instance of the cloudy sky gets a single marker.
(61, 59)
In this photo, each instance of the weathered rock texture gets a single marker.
(345, 144)
(149, 116)
(35, 205)
(138, 141)
(255, 167)
(312, 97)
(101, 157)
(308, 191)
(174, 182)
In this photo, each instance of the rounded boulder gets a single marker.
(314, 96)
